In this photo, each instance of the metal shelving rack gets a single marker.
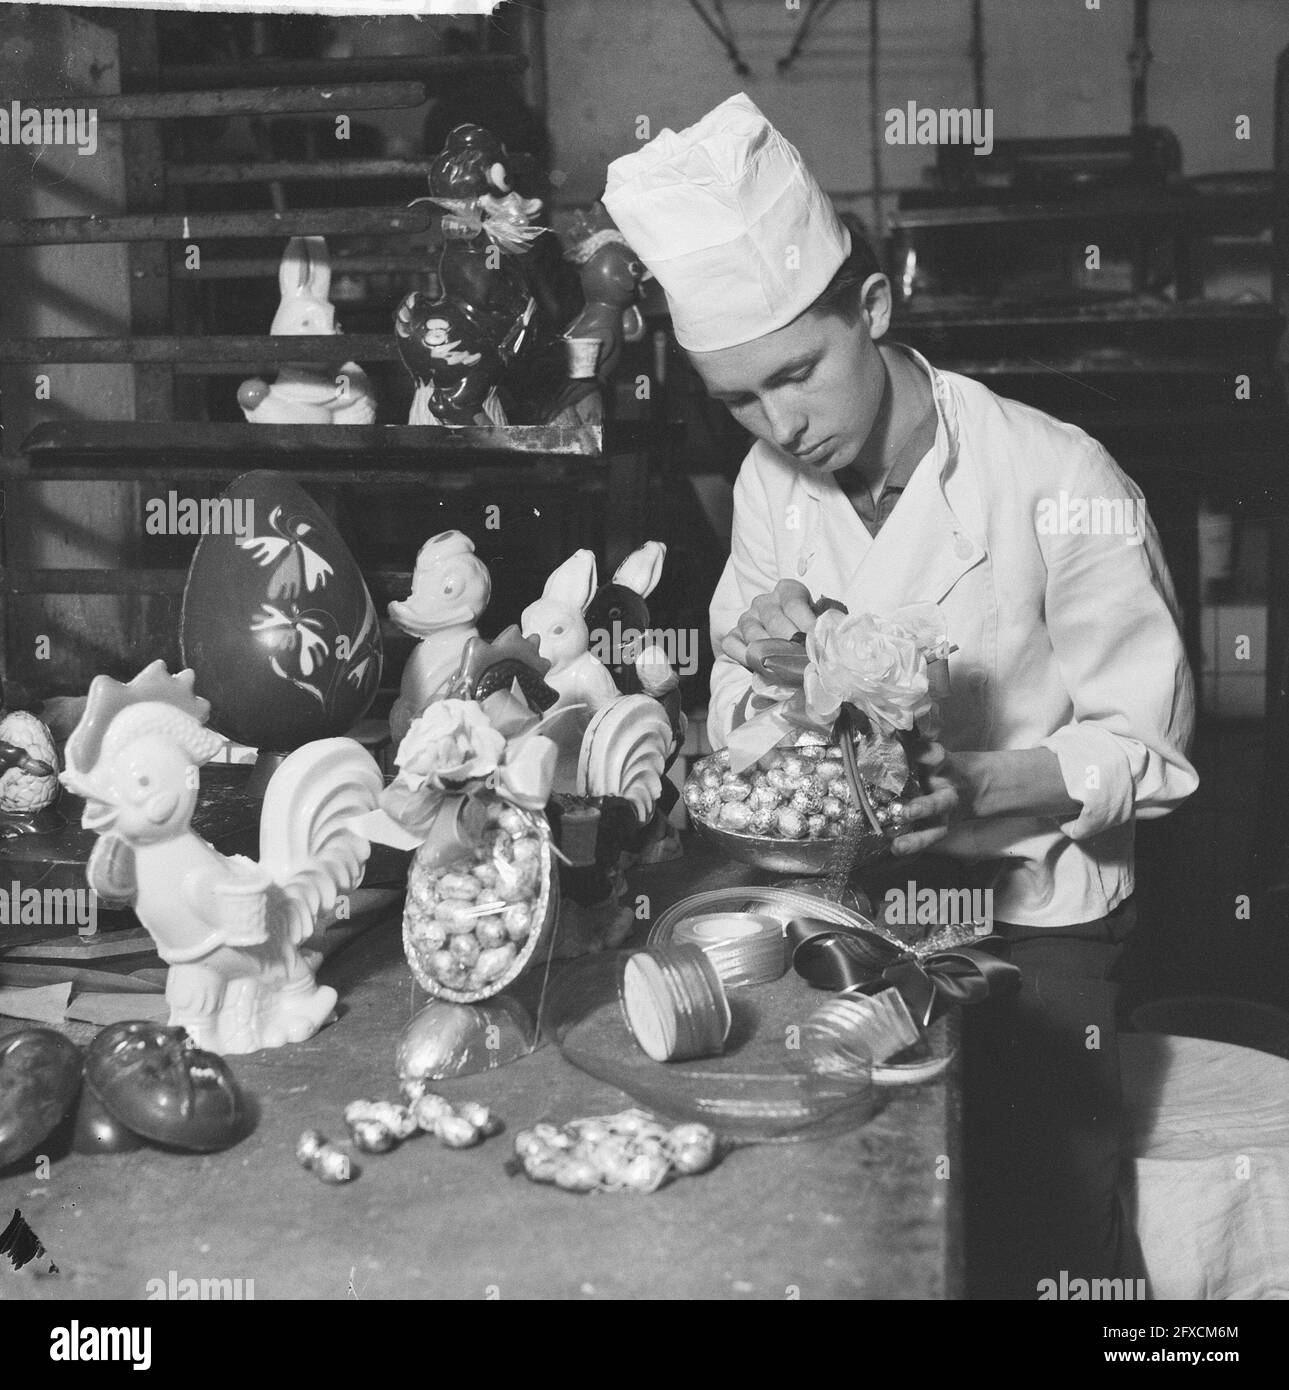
(599, 489)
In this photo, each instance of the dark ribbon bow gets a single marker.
(852, 960)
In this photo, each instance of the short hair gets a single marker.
(840, 296)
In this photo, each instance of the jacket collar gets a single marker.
(927, 543)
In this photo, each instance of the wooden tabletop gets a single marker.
(872, 1213)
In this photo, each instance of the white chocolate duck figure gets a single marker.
(451, 588)
(304, 395)
(230, 929)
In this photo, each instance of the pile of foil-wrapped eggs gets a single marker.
(627, 1152)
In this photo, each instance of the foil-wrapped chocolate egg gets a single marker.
(447, 1039)
(708, 804)
(693, 1148)
(811, 738)
(734, 815)
(807, 802)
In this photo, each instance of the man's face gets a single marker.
(813, 388)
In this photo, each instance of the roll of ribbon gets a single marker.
(675, 1004)
(849, 1033)
(783, 904)
(746, 948)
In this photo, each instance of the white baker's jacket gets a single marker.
(1065, 641)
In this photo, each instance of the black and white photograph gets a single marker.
(645, 656)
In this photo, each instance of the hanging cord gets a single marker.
(816, 10)
(724, 34)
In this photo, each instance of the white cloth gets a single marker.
(731, 223)
(1068, 642)
(1210, 1134)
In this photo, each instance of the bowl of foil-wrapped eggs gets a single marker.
(787, 813)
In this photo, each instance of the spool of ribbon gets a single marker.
(745, 948)
(783, 904)
(849, 1033)
(675, 1003)
(850, 959)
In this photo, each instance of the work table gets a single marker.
(865, 1214)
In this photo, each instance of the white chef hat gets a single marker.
(732, 224)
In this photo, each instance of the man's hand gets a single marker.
(783, 612)
(971, 786)
(949, 795)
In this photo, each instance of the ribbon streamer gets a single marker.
(852, 960)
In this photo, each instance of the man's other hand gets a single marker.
(783, 612)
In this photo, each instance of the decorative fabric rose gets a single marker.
(876, 664)
(452, 743)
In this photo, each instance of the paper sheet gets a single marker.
(44, 1004)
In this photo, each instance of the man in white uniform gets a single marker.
(878, 481)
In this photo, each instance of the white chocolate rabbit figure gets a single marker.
(556, 621)
(306, 395)
(576, 674)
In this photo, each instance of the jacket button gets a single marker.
(962, 548)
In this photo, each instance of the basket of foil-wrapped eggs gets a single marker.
(471, 925)
(474, 778)
(820, 763)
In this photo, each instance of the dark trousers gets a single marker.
(1042, 1117)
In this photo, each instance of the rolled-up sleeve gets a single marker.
(751, 569)
(1112, 621)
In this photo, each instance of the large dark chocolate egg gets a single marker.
(277, 622)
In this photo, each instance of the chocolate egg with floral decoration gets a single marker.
(277, 622)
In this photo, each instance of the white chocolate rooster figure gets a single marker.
(230, 929)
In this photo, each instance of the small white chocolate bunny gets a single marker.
(580, 679)
(556, 621)
(305, 395)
